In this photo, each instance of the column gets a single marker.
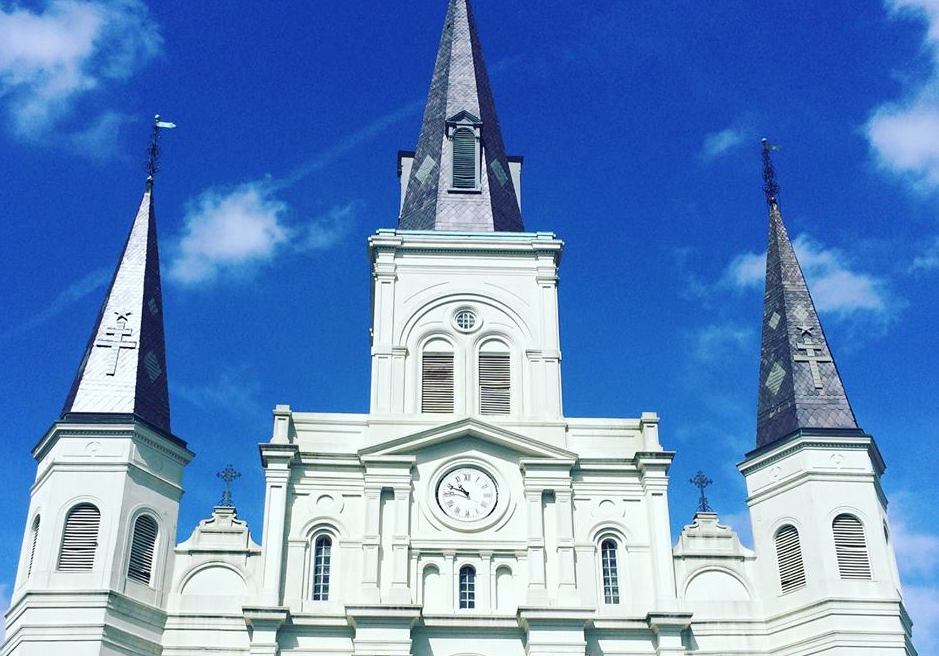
(276, 459)
(382, 327)
(537, 591)
(400, 592)
(567, 582)
(371, 545)
(449, 576)
(655, 484)
(485, 583)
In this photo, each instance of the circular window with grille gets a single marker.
(465, 320)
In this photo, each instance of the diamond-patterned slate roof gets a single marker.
(459, 84)
(124, 367)
(800, 387)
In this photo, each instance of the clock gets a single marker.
(467, 494)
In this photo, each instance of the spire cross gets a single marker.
(153, 150)
(810, 347)
(228, 475)
(770, 186)
(113, 338)
(701, 481)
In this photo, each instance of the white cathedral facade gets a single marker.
(465, 514)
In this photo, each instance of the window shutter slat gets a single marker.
(33, 539)
(80, 539)
(495, 384)
(437, 383)
(789, 558)
(464, 159)
(142, 547)
(851, 548)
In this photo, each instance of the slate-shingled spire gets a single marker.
(800, 388)
(459, 91)
(124, 368)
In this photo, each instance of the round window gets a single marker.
(465, 319)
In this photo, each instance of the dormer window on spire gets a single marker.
(464, 132)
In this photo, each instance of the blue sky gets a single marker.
(640, 124)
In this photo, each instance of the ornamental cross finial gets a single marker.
(153, 150)
(228, 475)
(770, 186)
(701, 481)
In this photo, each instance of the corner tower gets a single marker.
(95, 565)
(825, 565)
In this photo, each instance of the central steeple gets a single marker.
(460, 179)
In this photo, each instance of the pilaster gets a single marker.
(276, 460)
(653, 471)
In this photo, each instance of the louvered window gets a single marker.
(80, 539)
(467, 587)
(33, 539)
(789, 557)
(464, 159)
(437, 382)
(851, 548)
(322, 555)
(142, 547)
(494, 384)
(610, 572)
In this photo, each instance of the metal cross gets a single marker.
(153, 150)
(701, 481)
(113, 338)
(770, 186)
(810, 347)
(228, 475)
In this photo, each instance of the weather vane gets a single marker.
(770, 187)
(153, 150)
(228, 475)
(701, 481)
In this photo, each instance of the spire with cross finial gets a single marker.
(701, 481)
(228, 475)
(123, 371)
(799, 387)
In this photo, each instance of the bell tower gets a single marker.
(96, 561)
(825, 565)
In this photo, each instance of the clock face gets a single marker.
(467, 494)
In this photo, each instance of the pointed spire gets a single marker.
(124, 368)
(800, 387)
(460, 97)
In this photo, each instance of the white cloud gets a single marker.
(836, 287)
(719, 143)
(904, 135)
(49, 59)
(715, 341)
(72, 294)
(740, 522)
(235, 390)
(236, 231)
(922, 603)
(928, 259)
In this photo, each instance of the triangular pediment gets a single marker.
(469, 428)
(464, 117)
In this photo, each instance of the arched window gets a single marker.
(142, 546)
(789, 559)
(495, 379)
(851, 548)
(464, 159)
(437, 377)
(610, 571)
(33, 539)
(431, 591)
(80, 539)
(322, 554)
(467, 587)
